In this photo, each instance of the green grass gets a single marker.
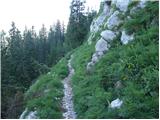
(46, 94)
(135, 65)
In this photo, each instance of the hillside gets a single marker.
(113, 74)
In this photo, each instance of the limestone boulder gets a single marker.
(116, 103)
(108, 35)
(89, 66)
(113, 20)
(140, 5)
(101, 45)
(106, 9)
(29, 114)
(95, 59)
(122, 5)
(126, 38)
(118, 85)
(95, 26)
(99, 54)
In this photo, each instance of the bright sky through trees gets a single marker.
(36, 12)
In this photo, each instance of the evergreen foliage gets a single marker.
(26, 60)
(78, 26)
(135, 65)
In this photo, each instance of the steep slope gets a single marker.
(67, 99)
(43, 99)
(119, 77)
(115, 71)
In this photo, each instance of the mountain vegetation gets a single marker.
(34, 65)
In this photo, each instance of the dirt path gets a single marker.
(67, 101)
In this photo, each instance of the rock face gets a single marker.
(122, 5)
(113, 21)
(108, 35)
(101, 45)
(30, 115)
(99, 21)
(89, 66)
(116, 103)
(106, 10)
(140, 5)
(95, 59)
(118, 85)
(126, 38)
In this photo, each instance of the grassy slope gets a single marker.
(135, 65)
(46, 94)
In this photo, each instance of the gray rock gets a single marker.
(32, 115)
(140, 5)
(97, 23)
(22, 116)
(92, 35)
(116, 103)
(99, 54)
(95, 26)
(46, 91)
(118, 85)
(95, 59)
(133, 10)
(89, 66)
(94, 55)
(106, 9)
(113, 20)
(114, 2)
(126, 38)
(101, 45)
(122, 5)
(108, 35)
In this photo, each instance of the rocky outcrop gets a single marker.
(114, 18)
(139, 6)
(101, 45)
(29, 114)
(122, 5)
(126, 38)
(118, 85)
(108, 35)
(113, 21)
(117, 103)
(100, 19)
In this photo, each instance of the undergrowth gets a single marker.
(134, 65)
(46, 94)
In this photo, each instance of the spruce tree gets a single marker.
(76, 29)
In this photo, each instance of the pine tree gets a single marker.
(42, 44)
(76, 29)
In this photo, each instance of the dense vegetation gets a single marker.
(135, 66)
(78, 25)
(24, 58)
(40, 61)
(27, 55)
(46, 94)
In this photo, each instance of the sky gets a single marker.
(36, 12)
